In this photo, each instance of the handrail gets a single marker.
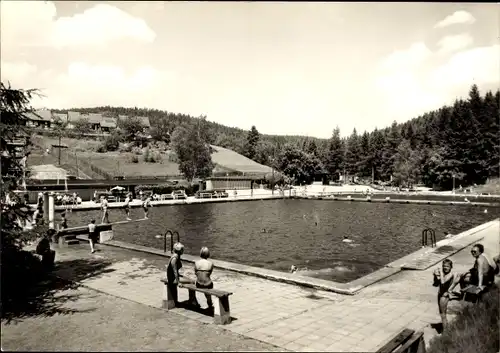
(171, 240)
(432, 233)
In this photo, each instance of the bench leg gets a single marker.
(222, 314)
(192, 297)
(169, 297)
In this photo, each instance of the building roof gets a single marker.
(144, 120)
(108, 122)
(47, 171)
(40, 115)
(62, 116)
(93, 118)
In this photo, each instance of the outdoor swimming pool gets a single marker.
(305, 233)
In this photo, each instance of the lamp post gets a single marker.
(272, 180)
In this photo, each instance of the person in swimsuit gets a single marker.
(146, 205)
(481, 275)
(203, 269)
(92, 235)
(64, 221)
(444, 278)
(126, 206)
(174, 277)
(104, 209)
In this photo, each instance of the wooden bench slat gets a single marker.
(215, 292)
(400, 339)
(413, 345)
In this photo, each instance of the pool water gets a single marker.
(276, 234)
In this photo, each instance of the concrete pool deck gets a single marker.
(289, 316)
(418, 260)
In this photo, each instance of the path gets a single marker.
(286, 315)
(100, 322)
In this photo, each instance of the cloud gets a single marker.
(411, 57)
(458, 17)
(454, 43)
(34, 23)
(82, 84)
(476, 65)
(410, 85)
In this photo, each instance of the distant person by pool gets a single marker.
(346, 239)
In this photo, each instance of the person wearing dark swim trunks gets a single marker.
(146, 205)
(203, 269)
(444, 279)
(126, 206)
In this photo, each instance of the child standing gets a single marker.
(443, 278)
(126, 206)
(92, 235)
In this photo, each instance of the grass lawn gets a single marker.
(98, 322)
(120, 163)
(474, 330)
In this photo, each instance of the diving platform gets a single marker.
(70, 236)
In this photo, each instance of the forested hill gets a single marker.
(460, 141)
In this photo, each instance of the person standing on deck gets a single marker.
(126, 206)
(173, 275)
(92, 235)
(146, 205)
(444, 278)
(104, 209)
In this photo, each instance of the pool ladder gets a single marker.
(425, 233)
(171, 233)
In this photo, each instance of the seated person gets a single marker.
(43, 249)
(444, 279)
(203, 269)
(481, 275)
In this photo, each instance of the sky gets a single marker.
(287, 68)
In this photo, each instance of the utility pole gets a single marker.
(76, 163)
(59, 147)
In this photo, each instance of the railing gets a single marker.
(170, 234)
(425, 233)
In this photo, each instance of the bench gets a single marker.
(407, 341)
(472, 293)
(222, 314)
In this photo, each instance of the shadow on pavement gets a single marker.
(47, 294)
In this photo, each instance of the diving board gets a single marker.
(72, 235)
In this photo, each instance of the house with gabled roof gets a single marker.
(144, 121)
(108, 124)
(39, 118)
(72, 117)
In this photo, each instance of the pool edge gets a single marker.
(349, 288)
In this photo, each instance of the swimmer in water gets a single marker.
(346, 239)
(485, 211)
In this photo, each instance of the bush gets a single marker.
(112, 142)
(151, 157)
(126, 147)
(474, 330)
(134, 159)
